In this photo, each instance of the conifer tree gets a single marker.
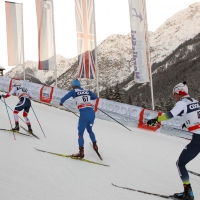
(170, 104)
(130, 99)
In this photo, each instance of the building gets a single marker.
(1, 70)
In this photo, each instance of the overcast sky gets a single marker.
(112, 17)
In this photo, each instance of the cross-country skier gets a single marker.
(24, 104)
(83, 98)
(189, 109)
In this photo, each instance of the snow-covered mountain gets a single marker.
(43, 76)
(114, 54)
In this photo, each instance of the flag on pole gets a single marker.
(140, 45)
(84, 10)
(14, 26)
(46, 44)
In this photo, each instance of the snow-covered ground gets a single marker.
(138, 159)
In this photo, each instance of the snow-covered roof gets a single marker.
(2, 68)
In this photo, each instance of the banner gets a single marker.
(85, 38)
(140, 46)
(46, 46)
(14, 26)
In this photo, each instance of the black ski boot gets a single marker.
(95, 147)
(16, 127)
(80, 154)
(30, 129)
(186, 195)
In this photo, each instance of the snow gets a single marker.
(138, 159)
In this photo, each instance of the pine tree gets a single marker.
(130, 99)
(118, 94)
(111, 97)
(137, 101)
(107, 94)
(170, 104)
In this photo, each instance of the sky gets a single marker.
(138, 159)
(112, 17)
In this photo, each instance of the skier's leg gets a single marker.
(81, 128)
(25, 114)
(188, 154)
(19, 107)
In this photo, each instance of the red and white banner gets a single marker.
(14, 26)
(46, 46)
(46, 93)
(140, 45)
(85, 38)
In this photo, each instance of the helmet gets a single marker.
(17, 83)
(181, 89)
(76, 83)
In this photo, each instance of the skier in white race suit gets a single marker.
(189, 109)
(24, 104)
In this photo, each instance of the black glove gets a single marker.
(0, 96)
(152, 122)
(61, 104)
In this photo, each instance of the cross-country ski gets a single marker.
(72, 157)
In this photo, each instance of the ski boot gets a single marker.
(186, 195)
(16, 127)
(95, 147)
(80, 154)
(30, 129)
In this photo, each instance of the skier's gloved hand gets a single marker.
(2, 96)
(152, 122)
(61, 104)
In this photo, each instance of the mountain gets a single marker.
(41, 76)
(114, 54)
(182, 65)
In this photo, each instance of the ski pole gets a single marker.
(113, 119)
(38, 121)
(12, 111)
(9, 117)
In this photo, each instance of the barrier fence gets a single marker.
(128, 115)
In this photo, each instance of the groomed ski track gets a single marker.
(139, 159)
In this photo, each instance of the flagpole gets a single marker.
(96, 63)
(22, 44)
(55, 72)
(149, 59)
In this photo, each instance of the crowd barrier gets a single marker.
(128, 115)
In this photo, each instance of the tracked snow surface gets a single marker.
(138, 159)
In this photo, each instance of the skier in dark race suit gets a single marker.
(83, 98)
(189, 109)
(24, 104)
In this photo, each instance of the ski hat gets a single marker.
(181, 89)
(17, 83)
(76, 83)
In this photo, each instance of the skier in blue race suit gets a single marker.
(83, 98)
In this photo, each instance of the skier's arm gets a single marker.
(14, 89)
(67, 96)
(30, 95)
(93, 96)
(179, 107)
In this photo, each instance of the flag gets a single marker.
(14, 26)
(46, 46)
(84, 10)
(140, 44)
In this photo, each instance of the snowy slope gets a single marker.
(139, 159)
